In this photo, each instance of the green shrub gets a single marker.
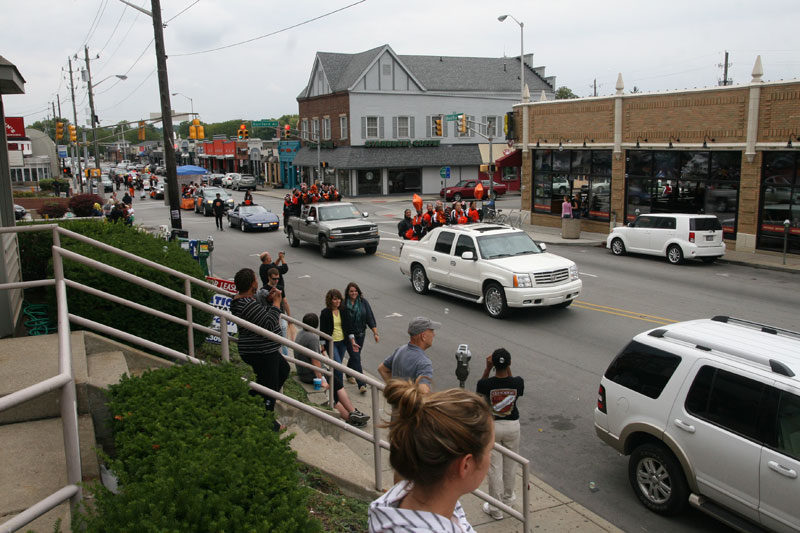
(35, 251)
(47, 185)
(24, 194)
(194, 452)
(52, 210)
(83, 204)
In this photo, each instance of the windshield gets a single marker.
(506, 245)
(339, 212)
(212, 192)
(252, 210)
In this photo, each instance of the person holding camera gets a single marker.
(502, 391)
(259, 352)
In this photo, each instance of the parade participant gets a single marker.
(440, 218)
(441, 445)
(287, 209)
(501, 392)
(361, 317)
(334, 195)
(405, 225)
(428, 217)
(473, 214)
(262, 354)
(127, 200)
(457, 215)
(248, 198)
(218, 208)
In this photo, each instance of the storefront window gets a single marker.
(369, 181)
(343, 181)
(582, 174)
(405, 180)
(683, 182)
(780, 201)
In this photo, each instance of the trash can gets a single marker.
(570, 228)
(179, 234)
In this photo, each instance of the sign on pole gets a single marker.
(452, 117)
(264, 124)
(444, 172)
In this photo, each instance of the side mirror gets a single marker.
(629, 224)
(543, 246)
(364, 214)
(309, 220)
(468, 256)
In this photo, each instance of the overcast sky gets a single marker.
(656, 46)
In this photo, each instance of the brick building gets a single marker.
(729, 151)
(375, 113)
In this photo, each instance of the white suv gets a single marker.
(709, 412)
(674, 235)
(490, 264)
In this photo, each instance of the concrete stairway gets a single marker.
(33, 465)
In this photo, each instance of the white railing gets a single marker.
(65, 380)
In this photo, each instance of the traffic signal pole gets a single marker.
(75, 117)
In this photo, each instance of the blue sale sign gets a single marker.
(223, 303)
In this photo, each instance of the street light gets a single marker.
(93, 117)
(190, 100)
(120, 76)
(501, 18)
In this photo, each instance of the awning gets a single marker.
(514, 159)
(497, 151)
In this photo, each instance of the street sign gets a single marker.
(444, 172)
(264, 124)
(453, 117)
(62, 151)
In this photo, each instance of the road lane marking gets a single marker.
(388, 256)
(590, 275)
(623, 313)
(393, 315)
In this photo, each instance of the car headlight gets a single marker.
(335, 231)
(374, 230)
(209, 201)
(573, 272)
(522, 281)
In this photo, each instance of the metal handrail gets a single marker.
(65, 379)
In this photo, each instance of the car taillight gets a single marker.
(601, 399)
(691, 236)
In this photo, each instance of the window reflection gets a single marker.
(582, 175)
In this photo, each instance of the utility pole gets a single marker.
(91, 110)
(57, 118)
(725, 81)
(75, 117)
(166, 117)
(595, 86)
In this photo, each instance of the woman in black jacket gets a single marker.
(360, 317)
(337, 324)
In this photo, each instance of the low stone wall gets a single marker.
(39, 202)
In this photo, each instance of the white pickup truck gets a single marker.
(490, 264)
(336, 225)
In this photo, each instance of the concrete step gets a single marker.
(29, 360)
(105, 369)
(35, 467)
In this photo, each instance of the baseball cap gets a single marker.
(501, 358)
(420, 324)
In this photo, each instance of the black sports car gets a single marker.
(252, 217)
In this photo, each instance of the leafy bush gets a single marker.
(196, 453)
(83, 204)
(36, 255)
(24, 194)
(52, 210)
(47, 185)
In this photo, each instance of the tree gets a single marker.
(565, 93)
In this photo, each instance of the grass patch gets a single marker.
(327, 504)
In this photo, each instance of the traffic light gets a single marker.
(245, 133)
(462, 123)
(199, 130)
(59, 130)
(287, 128)
(509, 125)
(193, 129)
(73, 133)
(142, 133)
(324, 164)
(439, 126)
(66, 171)
(240, 133)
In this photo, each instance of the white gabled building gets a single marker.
(375, 113)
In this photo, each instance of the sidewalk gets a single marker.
(548, 235)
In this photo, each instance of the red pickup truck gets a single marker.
(466, 189)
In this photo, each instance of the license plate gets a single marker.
(709, 237)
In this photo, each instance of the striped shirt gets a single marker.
(267, 317)
(386, 516)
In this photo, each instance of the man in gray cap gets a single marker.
(409, 361)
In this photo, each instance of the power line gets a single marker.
(133, 22)
(124, 9)
(271, 33)
(137, 87)
(100, 9)
(187, 8)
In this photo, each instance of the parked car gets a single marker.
(253, 217)
(243, 181)
(227, 181)
(19, 212)
(215, 180)
(108, 185)
(466, 189)
(709, 413)
(494, 265)
(204, 198)
(677, 236)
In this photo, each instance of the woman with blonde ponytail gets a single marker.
(440, 443)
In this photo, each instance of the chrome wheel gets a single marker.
(419, 280)
(674, 254)
(494, 300)
(617, 247)
(653, 481)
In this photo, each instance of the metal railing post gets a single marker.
(527, 526)
(69, 400)
(187, 287)
(376, 444)
(223, 339)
